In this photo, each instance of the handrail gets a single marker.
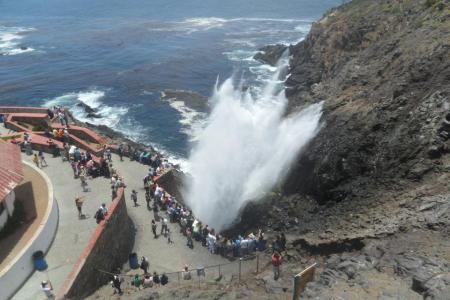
(178, 272)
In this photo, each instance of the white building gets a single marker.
(11, 174)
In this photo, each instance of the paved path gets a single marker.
(73, 234)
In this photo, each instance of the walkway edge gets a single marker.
(15, 274)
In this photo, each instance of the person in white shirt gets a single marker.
(47, 288)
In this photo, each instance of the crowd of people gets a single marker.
(84, 166)
(193, 229)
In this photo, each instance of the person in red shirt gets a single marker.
(277, 260)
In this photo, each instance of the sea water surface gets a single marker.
(118, 56)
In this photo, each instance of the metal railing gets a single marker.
(242, 265)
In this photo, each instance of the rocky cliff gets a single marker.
(382, 69)
(378, 170)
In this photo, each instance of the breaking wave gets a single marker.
(10, 40)
(107, 115)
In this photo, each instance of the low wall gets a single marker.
(22, 109)
(108, 250)
(172, 182)
(35, 120)
(21, 267)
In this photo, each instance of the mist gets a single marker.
(245, 148)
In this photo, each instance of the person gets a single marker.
(134, 197)
(156, 279)
(164, 279)
(108, 154)
(282, 242)
(148, 281)
(104, 209)
(113, 191)
(144, 265)
(205, 233)
(190, 243)
(164, 226)
(36, 160)
(116, 282)
(79, 204)
(121, 150)
(169, 239)
(47, 288)
(147, 199)
(82, 177)
(61, 118)
(42, 159)
(99, 215)
(277, 245)
(186, 274)
(154, 226)
(277, 260)
(137, 281)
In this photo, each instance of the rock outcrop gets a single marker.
(379, 167)
(382, 70)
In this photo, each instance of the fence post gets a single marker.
(178, 273)
(257, 262)
(240, 262)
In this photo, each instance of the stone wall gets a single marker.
(107, 250)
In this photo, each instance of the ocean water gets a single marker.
(119, 56)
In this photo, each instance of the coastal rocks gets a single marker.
(381, 122)
(429, 277)
(90, 112)
(270, 54)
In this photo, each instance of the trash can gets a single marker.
(39, 261)
(134, 262)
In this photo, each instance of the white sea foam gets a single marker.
(109, 115)
(10, 38)
(241, 55)
(245, 149)
(191, 25)
(191, 120)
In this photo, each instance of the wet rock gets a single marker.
(270, 54)
(90, 112)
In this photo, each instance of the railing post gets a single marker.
(240, 263)
(178, 273)
(257, 262)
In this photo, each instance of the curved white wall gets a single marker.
(16, 273)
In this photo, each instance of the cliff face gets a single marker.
(382, 69)
(372, 186)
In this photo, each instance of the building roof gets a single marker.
(11, 170)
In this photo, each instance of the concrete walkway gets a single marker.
(73, 234)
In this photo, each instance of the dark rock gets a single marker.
(90, 112)
(434, 152)
(270, 54)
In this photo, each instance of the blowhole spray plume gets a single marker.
(245, 148)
